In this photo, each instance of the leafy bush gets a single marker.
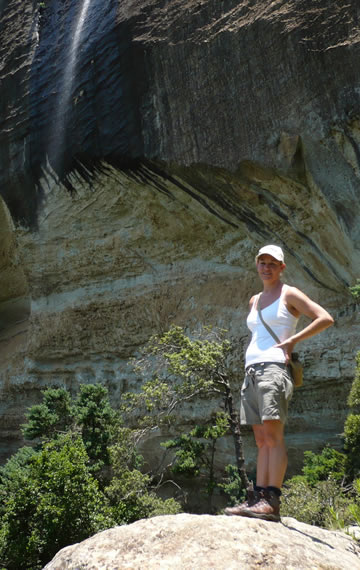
(97, 421)
(326, 494)
(131, 498)
(232, 485)
(50, 418)
(354, 395)
(352, 443)
(130, 492)
(301, 501)
(52, 501)
(352, 425)
(195, 452)
(314, 504)
(355, 290)
(329, 464)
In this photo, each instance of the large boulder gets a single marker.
(185, 542)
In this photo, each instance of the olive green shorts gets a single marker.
(265, 393)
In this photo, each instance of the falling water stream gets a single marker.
(66, 87)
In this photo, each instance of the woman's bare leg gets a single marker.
(272, 454)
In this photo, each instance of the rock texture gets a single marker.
(137, 188)
(185, 542)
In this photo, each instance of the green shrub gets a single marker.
(97, 421)
(131, 498)
(183, 368)
(354, 395)
(130, 492)
(52, 501)
(355, 290)
(352, 443)
(327, 464)
(232, 485)
(314, 504)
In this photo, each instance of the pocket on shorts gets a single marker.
(276, 380)
(288, 385)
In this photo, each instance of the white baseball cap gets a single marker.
(273, 250)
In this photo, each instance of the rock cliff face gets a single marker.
(147, 150)
(188, 541)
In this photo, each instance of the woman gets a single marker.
(267, 386)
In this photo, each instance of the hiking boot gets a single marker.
(252, 498)
(267, 508)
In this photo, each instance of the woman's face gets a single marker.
(269, 268)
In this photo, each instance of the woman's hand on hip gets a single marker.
(287, 346)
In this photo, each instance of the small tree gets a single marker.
(182, 369)
(195, 452)
(53, 416)
(97, 421)
(90, 415)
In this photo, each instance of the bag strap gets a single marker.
(269, 330)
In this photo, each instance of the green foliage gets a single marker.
(352, 443)
(232, 485)
(354, 508)
(352, 425)
(301, 501)
(49, 497)
(52, 417)
(320, 467)
(315, 504)
(90, 414)
(129, 491)
(131, 498)
(355, 290)
(195, 450)
(52, 500)
(189, 455)
(320, 496)
(181, 369)
(354, 396)
(97, 421)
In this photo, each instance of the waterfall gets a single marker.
(57, 138)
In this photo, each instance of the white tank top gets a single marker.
(280, 320)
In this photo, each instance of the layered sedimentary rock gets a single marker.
(193, 133)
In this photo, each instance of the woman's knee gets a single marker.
(259, 435)
(273, 433)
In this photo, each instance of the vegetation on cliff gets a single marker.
(82, 476)
(328, 492)
(182, 368)
(84, 472)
